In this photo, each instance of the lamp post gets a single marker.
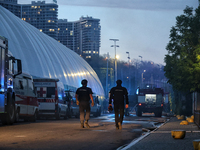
(115, 56)
(141, 58)
(143, 76)
(129, 80)
(107, 76)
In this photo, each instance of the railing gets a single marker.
(197, 117)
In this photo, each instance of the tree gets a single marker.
(183, 59)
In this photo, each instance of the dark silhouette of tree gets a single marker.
(183, 59)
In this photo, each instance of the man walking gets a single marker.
(83, 96)
(118, 94)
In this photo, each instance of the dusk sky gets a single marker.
(142, 26)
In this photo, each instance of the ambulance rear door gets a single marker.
(46, 95)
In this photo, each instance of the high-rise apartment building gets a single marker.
(66, 33)
(12, 6)
(43, 16)
(82, 36)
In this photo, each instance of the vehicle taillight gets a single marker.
(140, 104)
(161, 105)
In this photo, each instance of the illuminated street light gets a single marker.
(115, 56)
(143, 76)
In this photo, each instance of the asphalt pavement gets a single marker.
(161, 139)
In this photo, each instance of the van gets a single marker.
(74, 108)
(26, 103)
(96, 109)
(50, 94)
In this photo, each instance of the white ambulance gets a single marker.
(50, 94)
(26, 104)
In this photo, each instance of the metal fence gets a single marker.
(197, 117)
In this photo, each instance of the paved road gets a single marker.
(66, 134)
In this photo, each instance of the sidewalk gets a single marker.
(161, 138)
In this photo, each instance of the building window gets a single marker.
(89, 51)
(66, 28)
(86, 52)
(52, 9)
(83, 51)
(88, 56)
(49, 21)
(71, 32)
(58, 29)
(94, 52)
(40, 30)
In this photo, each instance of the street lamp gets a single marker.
(129, 79)
(141, 58)
(143, 76)
(115, 56)
(107, 76)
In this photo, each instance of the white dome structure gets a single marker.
(43, 56)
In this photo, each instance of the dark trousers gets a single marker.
(84, 106)
(119, 113)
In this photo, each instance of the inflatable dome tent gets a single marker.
(43, 56)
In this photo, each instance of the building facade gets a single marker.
(66, 33)
(82, 36)
(41, 15)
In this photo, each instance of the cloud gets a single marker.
(134, 4)
(127, 4)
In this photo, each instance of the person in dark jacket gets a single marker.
(118, 94)
(83, 96)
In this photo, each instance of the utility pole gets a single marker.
(129, 78)
(107, 76)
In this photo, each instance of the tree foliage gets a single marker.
(183, 59)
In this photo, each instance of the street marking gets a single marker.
(135, 141)
(170, 131)
(141, 137)
(162, 132)
(195, 131)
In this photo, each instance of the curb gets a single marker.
(127, 146)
